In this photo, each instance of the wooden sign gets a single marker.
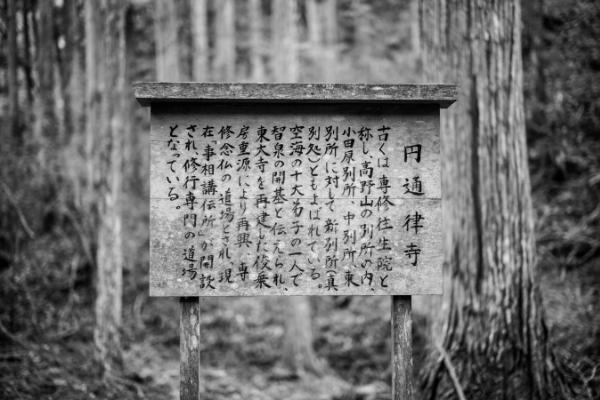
(289, 190)
(285, 189)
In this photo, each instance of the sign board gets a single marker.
(295, 189)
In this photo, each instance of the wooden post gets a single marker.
(189, 347)
(402, 362)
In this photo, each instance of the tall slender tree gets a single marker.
(284, 37)
(330, 27)
(166, 28)
(298, 350)
(11, 50)
(27, 13)
(72, 66)
(200, 56)
(490, 322)
(45, 128)
(257, 69)
(224, 49)
(105, 109)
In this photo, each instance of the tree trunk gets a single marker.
(92, 105)
(284, 36)
(224, 50)
(168, 65)
(105, 67)
(315, 38)
(257, 68)
(298, 353)
(45, 127)
(13, 88)
(415, 36)
(27, 52)
(491, 321)
(313, 23)
(73, 79)
(199, 40)
(361, 12)
(330, 27)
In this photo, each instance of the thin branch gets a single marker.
(13, 337)
(22, 219)
(451, 371)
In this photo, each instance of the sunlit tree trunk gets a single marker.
(298, 351)
(490, 320)
(284, 37)
(257, 69)
(105, 109)
(166, 26)
(224, 50)
(200, 57)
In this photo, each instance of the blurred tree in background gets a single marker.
(74, 172)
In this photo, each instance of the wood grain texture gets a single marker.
(168, 239)
(161, 92)
(189, 348)
(402, 361)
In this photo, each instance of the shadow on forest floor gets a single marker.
(241, 338)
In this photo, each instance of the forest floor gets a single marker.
(241, 338)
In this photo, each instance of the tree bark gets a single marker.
(73, 60)
(313, 22)
(92, 31)
(490, 320)
(257, 68)
(298, 353)
(106, 67)
(199, 41)
(330, 40)
(45, 127)
(298, 350)
(168, 65)
(224, 50)
(13, 88)
(27, 54)
(315, 38)
(284, 37)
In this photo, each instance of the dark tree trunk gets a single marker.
(27, 51)
(11, 50)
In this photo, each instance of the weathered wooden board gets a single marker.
(295, 199)
(154, 92)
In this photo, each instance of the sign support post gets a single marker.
(189, 348)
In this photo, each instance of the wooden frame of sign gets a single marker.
(295, 189)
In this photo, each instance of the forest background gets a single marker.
(57, 161)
